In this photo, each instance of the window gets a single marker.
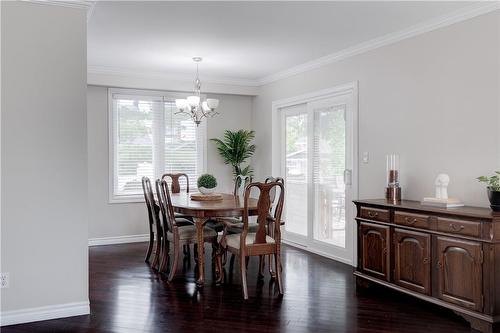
(148, 138)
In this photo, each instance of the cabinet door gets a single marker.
(374, 249)
(412, 260)
(459, 272)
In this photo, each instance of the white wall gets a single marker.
(44, 161)
(433, 98)
(125, 219)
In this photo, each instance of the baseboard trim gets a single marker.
(44, 313)
(118, 240)
(318, 252)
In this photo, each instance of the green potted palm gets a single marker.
(493, 189)
(206, 183)
(235, 148)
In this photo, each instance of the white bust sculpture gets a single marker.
(442, 181)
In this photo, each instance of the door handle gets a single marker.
(348, 177)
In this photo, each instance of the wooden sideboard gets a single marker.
(450, 257)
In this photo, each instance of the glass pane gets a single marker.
(328, 175)
(296, 174)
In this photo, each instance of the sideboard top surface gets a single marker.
(476, 212)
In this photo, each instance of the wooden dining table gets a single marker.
(202, 211)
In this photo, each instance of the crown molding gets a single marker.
(430, 25)
(72, 4)
(79, 4)
(427, 26)
(105, 70)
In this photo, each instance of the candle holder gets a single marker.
(393, 190)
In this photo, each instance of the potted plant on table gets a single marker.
(493, 189)
(207, 183)
(235, 148)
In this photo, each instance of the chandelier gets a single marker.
(193, 106)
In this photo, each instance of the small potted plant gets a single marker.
(493, 188)
(207, 183)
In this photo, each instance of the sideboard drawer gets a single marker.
(412, 220)
(375, 214)
(468, 228)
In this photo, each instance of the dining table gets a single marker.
(202, 211)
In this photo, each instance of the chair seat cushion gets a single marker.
(215, 225)
(237, 228)
(183, 216)
(234, 240)
(189, 232)
(180, 221)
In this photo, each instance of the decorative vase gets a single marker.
(205, 190)
(494, 197)
(393, 190)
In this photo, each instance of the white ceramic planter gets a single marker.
(204, 190)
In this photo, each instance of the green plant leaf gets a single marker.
(235, 148)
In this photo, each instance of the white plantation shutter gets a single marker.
(150, 139)
(181, 145)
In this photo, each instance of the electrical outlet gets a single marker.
(4, 280)
(366, 157)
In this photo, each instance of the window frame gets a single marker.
(112, 139)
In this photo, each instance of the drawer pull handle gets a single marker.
(426, 260)
(456, 228)
(372, 214)
(439, 265)
(410, 221)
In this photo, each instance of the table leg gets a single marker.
(198, 221)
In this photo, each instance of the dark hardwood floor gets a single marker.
(320, 296)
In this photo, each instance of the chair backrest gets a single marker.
(240, 183)
(273, 191)
(165, 203)
(176, 186)
(264, 206)
(150, 201)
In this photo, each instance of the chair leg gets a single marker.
(271, 271)
(261, 267)
(218, 262)
(164, 256)
(243, 270)
(150, 246)
(224, 257)
(156, 259)
(175, 262)
(231, 262)
(277, 259)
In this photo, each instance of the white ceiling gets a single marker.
(240, 40)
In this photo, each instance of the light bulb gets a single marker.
(205, 107)
(193, 100)
(181, 103)
(212, 103)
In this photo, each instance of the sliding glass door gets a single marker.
(316, 148)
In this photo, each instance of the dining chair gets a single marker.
(234, 224)
(155, 231)
(271, 222)
(175, 186)
(259, 243)
(176, 233)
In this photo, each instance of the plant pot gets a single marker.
(205, 190)
(494, 197)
